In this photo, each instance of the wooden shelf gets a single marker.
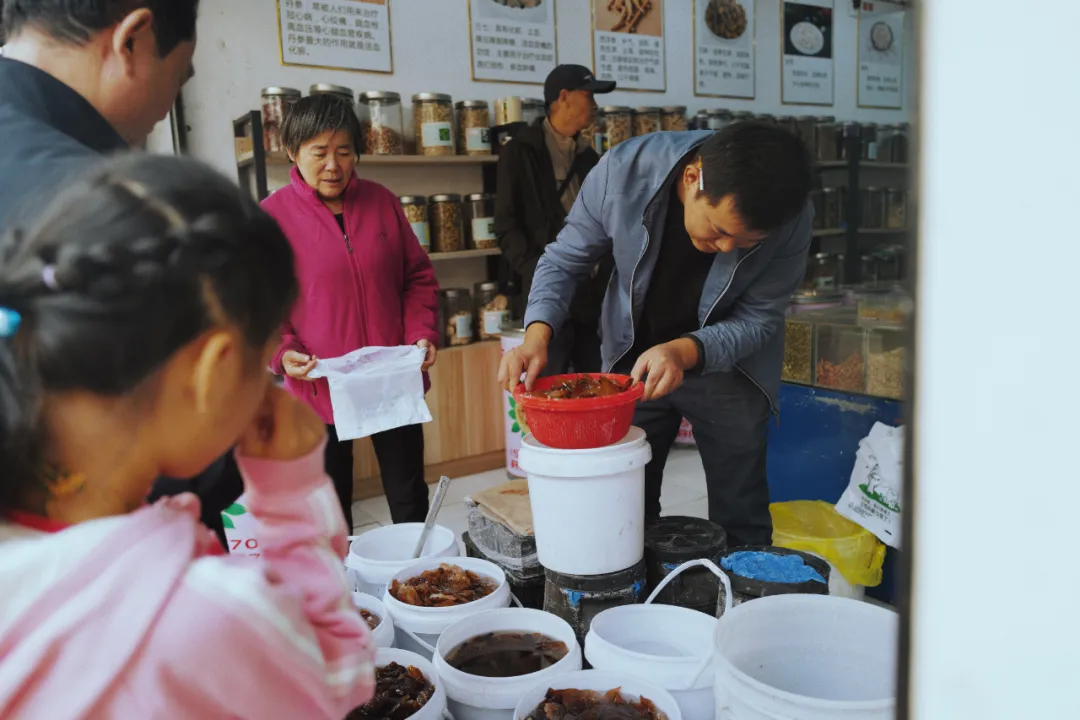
(830, 233)
(281, 159)
(463, 255)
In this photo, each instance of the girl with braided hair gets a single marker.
(137, 319)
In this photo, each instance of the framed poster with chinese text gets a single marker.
(512, 40)
(806, 48)
(881, 55)
(336, 34)
(628, 43)
(724, 48)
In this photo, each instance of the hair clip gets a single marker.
(48, 276)
(9, 322)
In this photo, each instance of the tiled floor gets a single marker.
(683, 494)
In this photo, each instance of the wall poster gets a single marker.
(807, 52)
(881, 55)
(336, 34)
(512, 40)
(724, 48)
(628, 43)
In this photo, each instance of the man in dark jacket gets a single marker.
(79, 80)
(540, 174)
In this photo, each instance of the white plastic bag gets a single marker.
(874, 494)
(375, 389)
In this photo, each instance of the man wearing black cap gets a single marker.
(540, 174)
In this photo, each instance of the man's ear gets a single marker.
(211, 369)
(135, 29)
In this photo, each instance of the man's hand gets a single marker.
(298, 365)
(429, 358)
(283, 429)
(663, 366)
(529, 358)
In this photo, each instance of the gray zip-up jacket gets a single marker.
(621, 209)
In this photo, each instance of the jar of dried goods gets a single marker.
(825, 271)
(588, 134)
(818, 199)
(481, 213)
(868, 133)
(805, 125)
(533, 109)
(701, 120)
(646, 120)
(872, 205)
(830, 202)
(798, 364)
(742, 116)
(840, 357)
(850, 141)
(327, 89)
(673, 118)
(898, 151)
(447, 224)
(895, 209)
(474, 127)
(275, 103)
(433, 121)
(456, 311)
(380, 117)
(508, 110)
(788, 122)
(617, 124)
(492, 310)
(415, 208)
(828, 140)
(718, 119)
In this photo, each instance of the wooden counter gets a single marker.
(466, 434)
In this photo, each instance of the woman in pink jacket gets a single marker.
(364, 281)
(136, 322)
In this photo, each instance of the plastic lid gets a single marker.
(445, 197)
(287, 92)
(431, 97)
(615, 109)
(412, 200)
(380, 95)
(454, 293)
(472, 197)
(685, 538)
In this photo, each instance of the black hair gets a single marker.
(766, 169)
(311, 116)
(77, 21)
(127, 266)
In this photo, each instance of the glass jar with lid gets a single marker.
(850, 141)
(481, 214)
(327, 89)
(868, 135)
(868, 270)
(825, 272)
(447, 223)
(839, 355)
(492, 310)
(789, 123)
(886, 142)
(818, 200)
(765, 118)
(872, 202)
(830, 202)
(673, 118)
(742, 116)
(380, 117)
(415, 208)
(474, 127)
(805, 125)
(895, 209)
(533, 109)
(276, 101)
(828, 140)
(718, 119)
(646, 120)
(618, 125)
(456, 313)
(901, 142)
(433, 120)
(701, 120)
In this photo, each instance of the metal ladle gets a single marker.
(429, 522)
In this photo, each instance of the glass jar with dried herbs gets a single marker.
(415, 208)
(276, 101)
(433, 121)
(447, 223)
(380, 118)
(474, 127)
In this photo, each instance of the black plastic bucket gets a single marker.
(672, 541)
(744, 589)
(577, 599)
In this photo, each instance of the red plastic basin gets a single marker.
(579, 424)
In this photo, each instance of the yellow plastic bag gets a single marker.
(815, 527)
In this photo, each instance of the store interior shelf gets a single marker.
(276, 158)
(836, 232)
(463, 254)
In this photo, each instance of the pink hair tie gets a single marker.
(48, 276)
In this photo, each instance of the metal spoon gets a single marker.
(429, 522)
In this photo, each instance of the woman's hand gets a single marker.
(297, 365)
(431, 351)
(283, 429)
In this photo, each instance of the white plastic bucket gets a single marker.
(375, 556)
(669, 646)
(419, 628)
(588, 506)
(810, 657)
(471, 697)
(383, 634)
(435, 708)
(602, 682)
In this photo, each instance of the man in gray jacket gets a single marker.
(710, 233)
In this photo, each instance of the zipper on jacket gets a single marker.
(348, 245)
(633, 273)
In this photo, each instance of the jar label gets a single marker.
(478, 139)
(483, 229)
(420, 229)
(494, 320)
(463, 325)
(437, 134)
(871, 151)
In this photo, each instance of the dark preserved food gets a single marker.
(591, 705)
(506, 654)
(370, 618)
(445, 586)
(583, 387)
(399, 693)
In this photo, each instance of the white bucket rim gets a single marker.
(756, 605)
(385, 656)
(365, 601)
(577, 680)
(692, 660)
(370, 534)
(477, 565)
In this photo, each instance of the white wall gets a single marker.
(238, 55)
(996, 587)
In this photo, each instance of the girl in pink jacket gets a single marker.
(136, 322)
(364, 282)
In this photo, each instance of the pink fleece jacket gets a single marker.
(371, 286)
(141, 616)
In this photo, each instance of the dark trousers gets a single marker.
(218, 487)
(577, 346)
(400, 453)
(730, 416)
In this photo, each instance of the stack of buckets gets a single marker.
(588, 511)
